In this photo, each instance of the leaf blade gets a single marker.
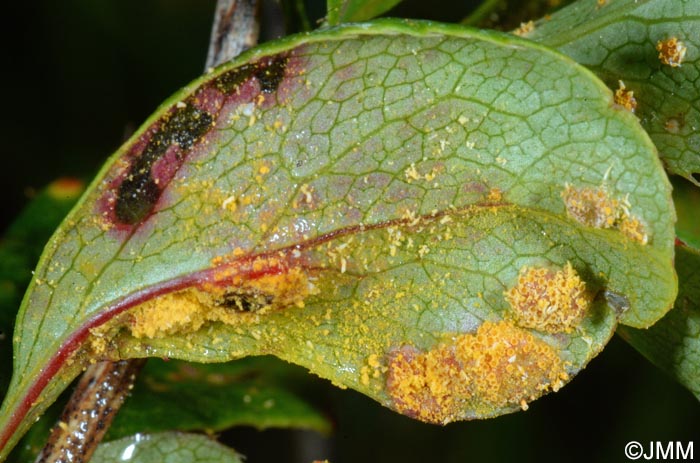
(452, 132)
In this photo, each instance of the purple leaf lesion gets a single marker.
(142, 186)
(139, 179)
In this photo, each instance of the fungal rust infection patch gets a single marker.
(243, 299)
(671, 51)
(594, 207)
(547, 300)
(625, 97)
(499, 366)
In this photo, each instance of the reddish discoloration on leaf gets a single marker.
(134, 186)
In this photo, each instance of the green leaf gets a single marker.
(369, 202)
(20, 249)
(345, 11)
(673, 343)
(170, 447)
(686, 198)
(213, 397)
(509, 14)
(618, 40)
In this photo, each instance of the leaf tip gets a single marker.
(66, 188)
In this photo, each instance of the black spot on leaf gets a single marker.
(139, 192)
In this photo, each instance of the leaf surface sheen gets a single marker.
(171, 447)
(359, 201)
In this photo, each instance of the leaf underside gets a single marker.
(369, 202)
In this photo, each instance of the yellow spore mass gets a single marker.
(591, 206)
(671, 51)
(525, 29)
(188, 310)
(633, 229)
(594, 207)
(501, 365)
(625, 97)
(548, 300)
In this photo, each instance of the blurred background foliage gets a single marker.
(81, 75)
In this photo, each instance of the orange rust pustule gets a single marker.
(548, 300)
(509, 365)
(625, 97)
(594, 207)
(499, 366)
(671, 51)
(591, 207)
(234, 295)
(406, 382)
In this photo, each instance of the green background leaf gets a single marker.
(20, 249)
(618, 42)
(343, 11)
(165, 447)
(673, 343)
(258, 392)
(686, 199)
(255, 392)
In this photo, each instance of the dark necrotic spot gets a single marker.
(136, 197)
(184, 128)
(271, 75)
(242, 301)
(229, 81)
(139, 191)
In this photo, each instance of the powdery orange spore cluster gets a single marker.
(593, 207)
(548, 300)
(625, 97)
(169, 314)
(525, 29)
(188, 310)
(671, 51)
(499, 366)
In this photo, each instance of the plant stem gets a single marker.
(99, 394)
(235, 29)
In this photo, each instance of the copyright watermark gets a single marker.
(658, 450)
